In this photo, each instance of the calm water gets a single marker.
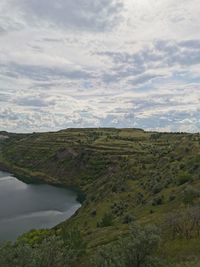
(24, 207)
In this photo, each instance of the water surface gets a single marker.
(26, 206)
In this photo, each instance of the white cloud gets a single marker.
(122, 63)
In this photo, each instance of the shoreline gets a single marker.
(27, 177)
(72, 207)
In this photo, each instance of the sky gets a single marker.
(99, 63)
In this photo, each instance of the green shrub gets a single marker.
(183, 177)
(93, 213)
(190, 194)
(158, 200)
(128, 218)
(52, 251)
(81, 197)
(137, 249)
(172, 197)
(106, 221)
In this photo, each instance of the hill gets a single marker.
(121, 176)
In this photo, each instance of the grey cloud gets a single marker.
(35, 102)
(144, 79)
(4, 97)
(53, 40)
(8, 114)
(118, 117)
(191, 44)
(149, 103)
(172, 121)
(40, 73)
(162, 54)
(125, 67)
(172, 53)
(167, 53)
(90, 15)
(2, 30)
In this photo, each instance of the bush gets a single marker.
(128, 218)
(137, 249)
(157, 188)
(184, 224)
(172, 197)
(106, 221)
(81, 197)
(157, 201)
(52, 251)
(190, 194)
(93, 213)
(183, 177)
(35, 237)
(118, 208)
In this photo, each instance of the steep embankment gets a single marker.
(125, 174)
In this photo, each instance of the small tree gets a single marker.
(136, 250)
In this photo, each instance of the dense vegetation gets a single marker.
(42, 249)
(127, 179)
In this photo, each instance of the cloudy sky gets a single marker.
(95, 63)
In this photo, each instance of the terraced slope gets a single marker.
(124, 175)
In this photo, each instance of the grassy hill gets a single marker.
(123, 176)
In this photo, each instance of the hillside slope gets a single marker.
(123, 175)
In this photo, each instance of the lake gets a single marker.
(32, 206)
